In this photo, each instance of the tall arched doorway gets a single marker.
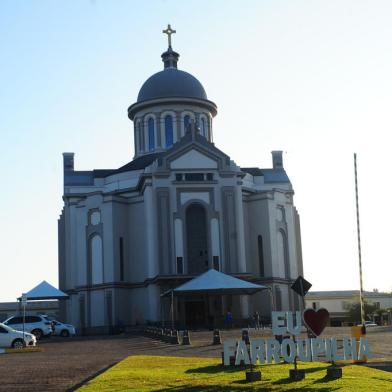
(196, 308)
(196, 236)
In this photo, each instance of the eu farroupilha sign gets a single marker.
(305, 349)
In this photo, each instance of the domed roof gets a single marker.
(170, 83)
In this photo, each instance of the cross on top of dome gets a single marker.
(169, 31)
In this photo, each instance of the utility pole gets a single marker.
(359, 244)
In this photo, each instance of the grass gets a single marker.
(154, 373)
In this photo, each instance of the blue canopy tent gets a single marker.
(213, 282)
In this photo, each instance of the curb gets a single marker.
(21, 350)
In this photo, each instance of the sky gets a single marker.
(311, 78)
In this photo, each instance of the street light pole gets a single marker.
(172, 310)
(359, 244)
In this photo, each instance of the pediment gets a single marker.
(193, 159)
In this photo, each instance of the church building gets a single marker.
(180, 207)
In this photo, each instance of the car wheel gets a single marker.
(38, 333)
(17, 343)
(64, 333)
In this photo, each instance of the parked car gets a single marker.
(11, 338)
(370, 324)
(61, 329)
(37, 325)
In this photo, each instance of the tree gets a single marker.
(354, 311)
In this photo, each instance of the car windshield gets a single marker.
(7, 327)
(6, 321)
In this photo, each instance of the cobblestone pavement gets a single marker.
(67, 363)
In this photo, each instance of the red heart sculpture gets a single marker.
(316, 320)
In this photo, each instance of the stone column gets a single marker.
(142, 138)
(178, 238)
(151, 240)
(209, 129)
(158, 126)
(136, 140)
(162, 132)
(240, 230)
(177, 134)
(215, 240)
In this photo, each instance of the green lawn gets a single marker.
(153, 373)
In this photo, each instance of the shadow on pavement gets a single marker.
(86, 380)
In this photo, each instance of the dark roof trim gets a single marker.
(270, 175)
(204, 103)
(87, 177)
(253, 171)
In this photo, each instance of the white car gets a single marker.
(370, 324)
(11, 338)
(37, 325)
(61, 329)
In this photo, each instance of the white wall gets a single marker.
(97, 308)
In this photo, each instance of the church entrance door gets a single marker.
(195, 314)
(196, 235)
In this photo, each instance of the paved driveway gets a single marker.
(67, 363)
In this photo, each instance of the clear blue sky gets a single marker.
(312, 78)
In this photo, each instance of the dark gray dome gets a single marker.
(171, 83)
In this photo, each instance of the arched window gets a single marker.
(141, 138)
(203, 127)
(151, 134)
(96, 259)
(169, 130)
(261, 255)
(283, 258)
(187, 121)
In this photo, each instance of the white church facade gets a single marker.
(180, 207)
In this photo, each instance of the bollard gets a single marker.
(334, 372)
(185, 338)
(174, 338)
(245, 336)
(166, 336)
(216, 337)
(297, 374)
(253, 375)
